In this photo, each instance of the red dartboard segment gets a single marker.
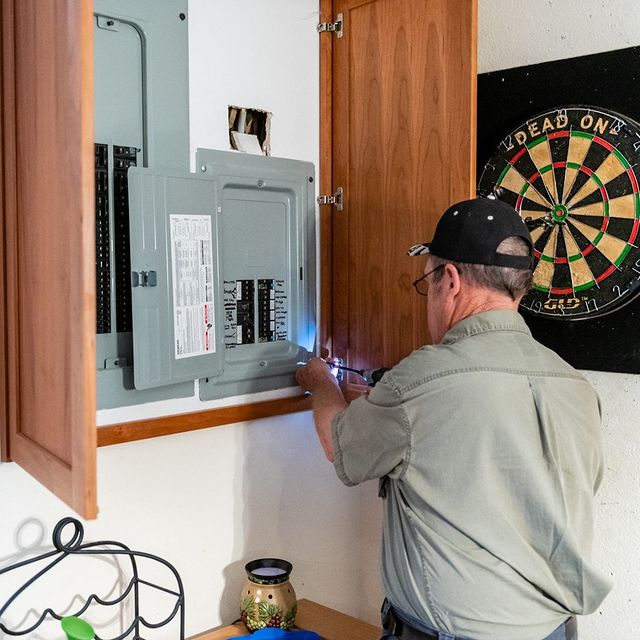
(518, 156)
(604, 143)
(582, 184)
(606, 274)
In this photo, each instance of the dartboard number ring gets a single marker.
(571, 174)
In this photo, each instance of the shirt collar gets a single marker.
(500, 320)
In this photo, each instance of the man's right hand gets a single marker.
(315, 375)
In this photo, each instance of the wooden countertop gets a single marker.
(328, 623)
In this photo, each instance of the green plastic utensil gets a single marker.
(77, 629)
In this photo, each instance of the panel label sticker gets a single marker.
(192, 270)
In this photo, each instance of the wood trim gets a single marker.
(154, 427)
(7, 178)
(326, 178)
(83, 426)
(49, 470)
(473, 115)
(339, 255)
(467, 119)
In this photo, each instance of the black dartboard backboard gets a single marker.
(560, 141)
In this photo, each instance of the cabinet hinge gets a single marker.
(335, 199)
(336, 26)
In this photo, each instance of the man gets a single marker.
(488, 447)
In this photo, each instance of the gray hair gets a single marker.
(514, 282)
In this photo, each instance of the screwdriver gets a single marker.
(370, 376)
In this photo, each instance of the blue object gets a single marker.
(274, 634)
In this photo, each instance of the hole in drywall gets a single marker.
(249, 130)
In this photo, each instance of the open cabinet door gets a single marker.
(398, 137)
(47, 306)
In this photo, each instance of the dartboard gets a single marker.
(571, 174)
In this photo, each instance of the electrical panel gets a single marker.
(267, 269)
(207, 276)
(223, 273)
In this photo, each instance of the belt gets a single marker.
(396, 628)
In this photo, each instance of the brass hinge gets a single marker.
(336, 26)
(335, 199)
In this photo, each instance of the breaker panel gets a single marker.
(207, 276)
(141, 119)
(224, 277)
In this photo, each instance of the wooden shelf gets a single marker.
(326, 622)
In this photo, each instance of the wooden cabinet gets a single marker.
(397, 133)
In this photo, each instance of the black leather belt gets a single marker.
(400, 629)
(409, 633)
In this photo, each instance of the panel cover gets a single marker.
(267, 269)
(176, 299)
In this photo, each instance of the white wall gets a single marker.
(513, 33)
(211, 500)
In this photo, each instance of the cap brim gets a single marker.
(419, 249)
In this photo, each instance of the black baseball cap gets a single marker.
(471, 231)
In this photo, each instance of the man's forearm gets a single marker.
(327, 402)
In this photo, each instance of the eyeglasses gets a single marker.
(421, 284)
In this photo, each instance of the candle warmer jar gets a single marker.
(268, 599)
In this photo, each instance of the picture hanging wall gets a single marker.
(560, 142)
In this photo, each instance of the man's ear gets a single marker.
(452, 278)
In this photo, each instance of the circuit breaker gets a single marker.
(207, 276)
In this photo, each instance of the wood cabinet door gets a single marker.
(47, 307)
(398, 135)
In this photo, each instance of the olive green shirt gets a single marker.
(490, 449)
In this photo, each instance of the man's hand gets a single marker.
(328, 400)
(314, 375)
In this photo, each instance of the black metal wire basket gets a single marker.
(130, 591)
